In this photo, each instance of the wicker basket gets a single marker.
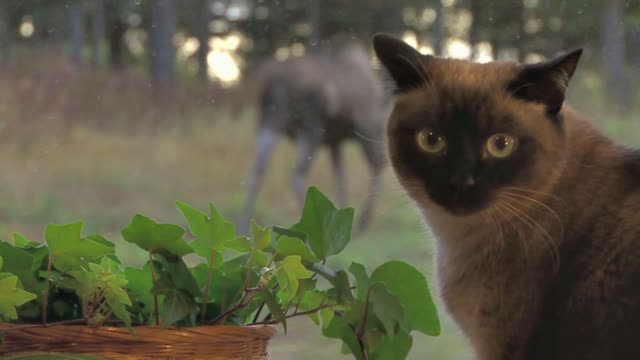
(198, 343)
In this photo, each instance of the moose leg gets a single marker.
(265, 141)
(306, 148)
(341, 184)
(375, 159)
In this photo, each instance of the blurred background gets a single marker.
(114, 107)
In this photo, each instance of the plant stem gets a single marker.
(153, 283)
(360, 332)
(296, 313)
(203, 311)
(45, 300)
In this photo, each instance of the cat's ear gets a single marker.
(546, 82)
(404, 64)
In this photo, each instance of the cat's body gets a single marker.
(538, 253)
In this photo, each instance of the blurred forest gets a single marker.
(222, 40)
(110, 108)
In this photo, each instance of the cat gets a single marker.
(535, 212)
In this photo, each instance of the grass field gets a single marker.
(57, 170)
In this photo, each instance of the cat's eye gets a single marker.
(501, 146)
(430, 141)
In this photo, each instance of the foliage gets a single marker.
(266, 278)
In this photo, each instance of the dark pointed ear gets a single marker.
(404, 63)
(546, 82)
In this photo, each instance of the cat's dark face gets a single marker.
(462, 133)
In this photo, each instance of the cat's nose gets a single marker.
(462, 181)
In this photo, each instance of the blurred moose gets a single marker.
(321, 99)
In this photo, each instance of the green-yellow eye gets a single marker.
(500, 146)
(430, 141)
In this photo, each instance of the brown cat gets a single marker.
(536, 213)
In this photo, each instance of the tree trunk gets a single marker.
(203, 35)
(439, 30)
(613, 53)
(312, 9)
(76, 27)
(475, 7)
(162, 51)
(98, 31)
(5, 37)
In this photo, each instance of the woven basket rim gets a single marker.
(142, 333)
(236, 341)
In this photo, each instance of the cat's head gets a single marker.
(461, 133)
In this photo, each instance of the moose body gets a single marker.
(320, 99)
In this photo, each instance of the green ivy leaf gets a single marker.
(387, 309)
(341, 288)
(291, 270)
(394, 347)
(326, 314)
(20, 263)
(411, 289)
(211, 232)
(69, 250)
(180, 275)
(240, 244)
(177, 304)
(11, 297)
(328, 229)
(293, 246)
(112, 283)
(139, 285)
(20, 241)
(339, 328)
(164, 239)
(261, 237)
(362, 280)
(274, 308)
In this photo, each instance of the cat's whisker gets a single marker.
(533, 192)
(545, 206)
(541, 230)
(521, 239)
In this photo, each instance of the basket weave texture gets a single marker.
(198, 343)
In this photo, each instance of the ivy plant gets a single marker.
(274, 274)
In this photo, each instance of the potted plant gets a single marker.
(72, 295)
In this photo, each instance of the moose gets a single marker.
(321, 99)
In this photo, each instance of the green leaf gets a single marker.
(339, 329)
(112, 283)
(326, 314)
(12, 297)
(139, 285)
(69, 250)
(20, 263)
(180, 275)
(291, 270)
(261, 237)
(341, 287)
(211, 232)
(362, 280)
(293, 246)
(274, 308)
(20, 241)
(394, 347)
(328, 229)
(240, 244)
(289, 232)
(177, 305)
(412, 291)
(387, 308)
(164, 239)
